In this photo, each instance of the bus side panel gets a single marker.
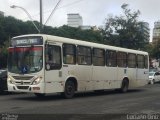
(137, 77)
(53, 81)
(131, 73)
(72, 71)
(84, 73)
(99, 76)
(104, 77)
(122, 72)
(142, 77)
(113, 78)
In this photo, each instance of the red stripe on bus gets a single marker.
(25, 49)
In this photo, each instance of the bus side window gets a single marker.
(121, 59)
(111, 58)
(140, 61)
(131, 60)
(84, 55)
(53, 57)
(98, 57)
(69, 54)
(146, 61)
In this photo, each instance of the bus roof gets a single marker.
(83, 43)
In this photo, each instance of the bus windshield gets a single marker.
(25, 60)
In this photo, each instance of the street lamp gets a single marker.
(14, 6)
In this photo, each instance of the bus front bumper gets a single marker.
(26, 88)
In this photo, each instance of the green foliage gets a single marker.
(75, 33)
(154, 49)
(3, 55)
(127, 27)
(10, 27)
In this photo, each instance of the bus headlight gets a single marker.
(36, 80)
(10, 80)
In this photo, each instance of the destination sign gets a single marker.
(26, 41)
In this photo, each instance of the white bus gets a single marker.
(44, 64)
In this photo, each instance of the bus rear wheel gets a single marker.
(69, 90)
(124, 87)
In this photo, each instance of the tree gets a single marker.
(3, 55)
(154, 49)
(127, 30)
(10, 27)
(75, 33)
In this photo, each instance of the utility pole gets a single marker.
(41, 15)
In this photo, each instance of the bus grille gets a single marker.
(23, 87)
(22, 77)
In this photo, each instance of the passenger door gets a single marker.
(53, 64)
(142, 71)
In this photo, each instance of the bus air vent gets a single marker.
(22, 77)
(23, 87)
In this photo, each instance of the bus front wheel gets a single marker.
(69, 90)
(124, 87)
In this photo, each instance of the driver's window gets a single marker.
(53, 57)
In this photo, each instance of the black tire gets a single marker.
(1, 86)
(154, 81)
(40, 95)
(69, 90)
(124, 87)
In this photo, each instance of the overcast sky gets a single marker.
(93, 12)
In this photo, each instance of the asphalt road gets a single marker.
(144, 100)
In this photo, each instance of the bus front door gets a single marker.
(53, 65)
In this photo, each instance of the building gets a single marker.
(156, 32)
(74, 20)
(86, 27)
(144, 29)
